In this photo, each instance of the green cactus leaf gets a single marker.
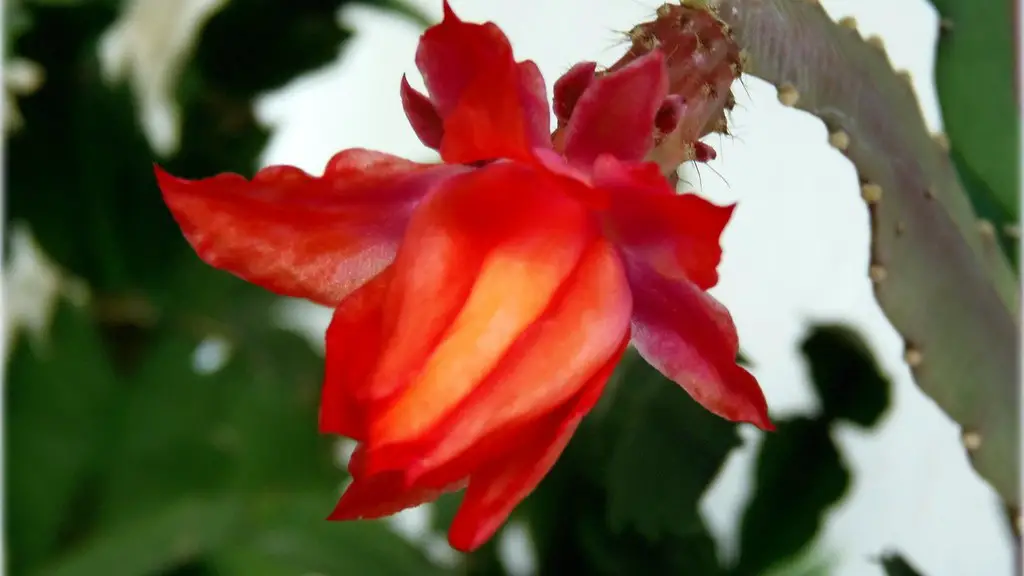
(974, 75)
(850, 384)
(665, 455)
(952, 298)
(803, 499)
(58, 396)
(896, 565)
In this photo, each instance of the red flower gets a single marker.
(481, 304)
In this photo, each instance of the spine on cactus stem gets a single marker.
(939, 278)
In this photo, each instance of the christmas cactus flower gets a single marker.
(480, 304)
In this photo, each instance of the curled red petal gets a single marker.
(299, 235)
(500, 244)
(569, 88)
(422, 116)
(691, 339)
(491, 106)
(499, 485)
(489, 122)
(353, 346)
(451, 54)
(585, 324)
(615, 115)
(676, 234)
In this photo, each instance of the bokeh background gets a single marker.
(160, 416)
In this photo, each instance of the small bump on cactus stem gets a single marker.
(788, 95)
(929, 193)
(900, 228)
(945, 25)
(971, 440)
(871, 192)
(912, 356)
(986, 229)
(1012, 230)
(877, 42)
(877, 273)
(839, 140)
(942, 140)
(905, 76)
(744, 59)
(848, 22)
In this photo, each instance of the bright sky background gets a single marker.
(796, 253)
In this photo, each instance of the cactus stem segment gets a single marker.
(788, 95)
(971, 440)
(839, 140)
(871, 193)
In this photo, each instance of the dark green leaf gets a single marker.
(846, 376)
(250, 426)
(176, 533)
(896, 565)
(58, 399)
(668, 450)
(568, 520)
(800, 476)
(288, 39)
(289, 536)
(81, 170)
(974, 74)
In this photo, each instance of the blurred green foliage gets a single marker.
(127, 457)
(978, 87)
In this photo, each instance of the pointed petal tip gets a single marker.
(449, 13)
(466, 541)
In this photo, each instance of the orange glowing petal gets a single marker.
(442, 252)
(548, 364)
(499, 485)
(515, 286)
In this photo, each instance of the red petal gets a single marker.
(492, 107)
(353, 346)
(489, 122)
(451, 54)
(494, 248)
(691, 339)
(382, 495)
(678, 235)
(547, 366)
(497, 487)
(298, 235)
(569, 87)
(615, 115)
(422, 116)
